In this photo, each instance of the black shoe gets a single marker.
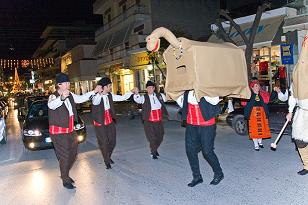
(71, 180)
(303, 172)
(108, 166)
(154, 156)
(68, 185)
(157, 154)
(261, 146)
(257, 149)
(194, 182)
(217, 179)
(111, 161)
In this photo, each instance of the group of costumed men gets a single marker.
(200, 130)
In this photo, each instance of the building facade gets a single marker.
(120, 49)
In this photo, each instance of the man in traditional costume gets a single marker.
(103, 114)
(62, 116)
(200, 133)
(299, 99)
(153, 107)
(256, 111)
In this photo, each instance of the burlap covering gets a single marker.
(300, 73)
(209, 69)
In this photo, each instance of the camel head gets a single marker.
(153, 43)
(153, 40)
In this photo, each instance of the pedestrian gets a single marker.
(62, 116)
(256, 112)
(200, 133)
(279, 94)
(153, 107)
(103, 114)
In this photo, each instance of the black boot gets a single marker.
(108, 166)
(68, 185)
(194, 182)
(303, 172)
(71, 180)
(111, 161)
(217, 179)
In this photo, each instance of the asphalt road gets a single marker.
(265, 177)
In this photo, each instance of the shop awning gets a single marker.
(296, 23)
(265, 34)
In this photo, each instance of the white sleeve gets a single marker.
(292, 103)
(96, 100)
(117, 98)
(212, 100)
(283, 96)
(180, 100)
(54, 102)
(164, 97)
(82, 98)
(139, 99)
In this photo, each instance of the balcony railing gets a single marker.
(133, 10)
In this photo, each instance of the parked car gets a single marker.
(277, 118)
(3, 136)
(35, 135)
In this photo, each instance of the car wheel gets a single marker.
(240, 125)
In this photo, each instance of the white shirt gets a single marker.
(96, 100)
(294, 101)
(55, 102)
(155, 104)
(283, 96)
(193, 100)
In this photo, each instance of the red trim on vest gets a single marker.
(194, 116)
(108, 119)
(156, 115)
(54, 130)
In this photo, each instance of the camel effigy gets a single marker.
(210, 69)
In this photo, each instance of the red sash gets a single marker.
(108, 119)
(54, 130)
(156, 115)
(194, 116)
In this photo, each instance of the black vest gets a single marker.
(98, 111)
(208, 110)
(146, 106)
(60, 117)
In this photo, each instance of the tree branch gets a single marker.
(221, 31)
(257, 20)
(235, 25)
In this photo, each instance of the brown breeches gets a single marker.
(65, 146)
(154, 131)
(106, 139)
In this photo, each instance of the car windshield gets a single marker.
(38, 110)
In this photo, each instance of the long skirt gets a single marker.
(258, 124)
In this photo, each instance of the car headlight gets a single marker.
(33, 133)
(78, 126)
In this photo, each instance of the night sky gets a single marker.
(22, 22)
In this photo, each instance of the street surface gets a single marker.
(265, 177)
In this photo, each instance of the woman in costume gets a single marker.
(256, 112)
